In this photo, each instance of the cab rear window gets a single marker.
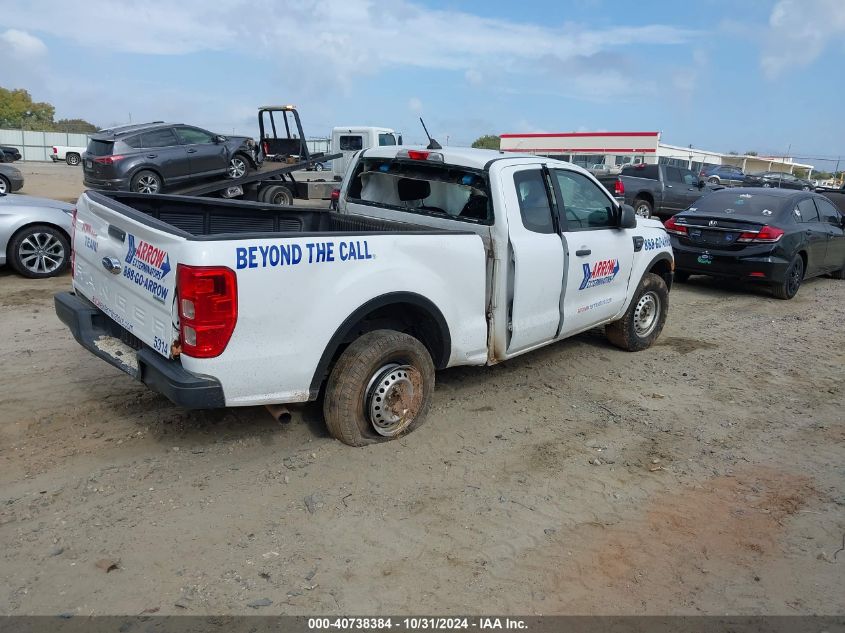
(424, 188)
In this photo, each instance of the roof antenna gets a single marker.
(432, 144)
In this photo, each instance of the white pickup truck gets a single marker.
(69, 154)
(434, 259)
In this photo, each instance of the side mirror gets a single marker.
(627, 217)
(219, 139)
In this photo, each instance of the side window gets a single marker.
(194, 136)
(673, 174)
(585, 205)
(159, 138)
(828, 212)
(134, 141)
(351, 143)
(688, 177)
(386, 139)
(533, 201)
(808, 210)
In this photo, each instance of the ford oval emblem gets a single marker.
(111, 264)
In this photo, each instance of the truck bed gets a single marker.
(218, 219)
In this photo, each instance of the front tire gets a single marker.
(146, 181)
(380, 388)
(72, 159)
(238, 167)
(644, 319)
(5, 186)
(643, 208)
(788, 288)
(713, 181)
(39, 251)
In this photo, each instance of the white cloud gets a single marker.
(22, 45)
(415, 105)
(799, 31)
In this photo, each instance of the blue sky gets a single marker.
(722, 75)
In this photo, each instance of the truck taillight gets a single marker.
(673, 227)
(208, 308)
(619, 187)
(72, 241)
(335, 195)
(416, 154)
(55, 150)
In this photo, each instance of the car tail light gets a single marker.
(766, 235)
(208, 308)
(72, 241)
(757, 274)
(673, 227)
(619, 187)
(109, 160)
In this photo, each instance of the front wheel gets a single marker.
(713, 181)
(643, 208)
(380, 388)
(72, 159)
(645, 317)
(5, 186)
(788, 288)
(238, 167)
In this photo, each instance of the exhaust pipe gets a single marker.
(279, 412)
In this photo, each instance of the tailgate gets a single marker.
(127, 268)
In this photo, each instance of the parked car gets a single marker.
(778, 179)
(775, 237)
(150, 157)
(320, 166)
(11, 179)
(437, 258)
(656, 190)
(67, 153)
(9, 154)
(35, 235)
(727, 175)
(837, 196)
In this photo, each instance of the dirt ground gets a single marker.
(704, 475)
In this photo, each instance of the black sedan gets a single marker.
(774, 236)
(779, 179)
(9, 154)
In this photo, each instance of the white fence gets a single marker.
(39, 145)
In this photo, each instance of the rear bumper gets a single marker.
(89, 325)
(721, 264)
(112, 184)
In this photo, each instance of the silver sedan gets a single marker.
(35, 235)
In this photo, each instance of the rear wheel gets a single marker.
(643, 208)
(146, 182)
(277, 194)
(72, 158)
(379, 389)
(39, 251)
(713, 181)
(788, 288)
(5, 187)
(645, 317)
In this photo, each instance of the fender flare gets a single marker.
(663, 257)
(440, 357)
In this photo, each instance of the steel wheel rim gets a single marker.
(393, 398)
(147, 184)
(237, 168)
(795, 274)
(281, 199)
(642, 211)
(41, 253)
(646, 314)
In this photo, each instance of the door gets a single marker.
(689, 191)
(674, 194)
(599, 255)
(162, 148)
(205, 156)
(535, 275)
(832, 221)
(815, 235)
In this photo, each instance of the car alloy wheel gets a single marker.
(147, 184)
(643, 210)
(4, 187)
(41, 253)
(237, 167)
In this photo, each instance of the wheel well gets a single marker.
(72, 154)
(644, 195)
(803, 255)
(403, 312)
(140, 169)
(663, 268)
(26, 226)
(246, 157)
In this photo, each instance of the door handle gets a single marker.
(152, 155)
(192, 150)
(668, 186)
(583, 252)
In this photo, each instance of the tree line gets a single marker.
(18, 111)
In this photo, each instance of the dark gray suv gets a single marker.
(151, 157)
